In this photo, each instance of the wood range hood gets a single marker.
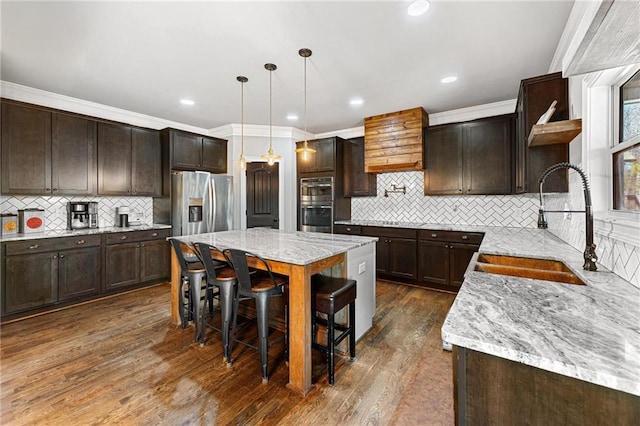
(393, 142)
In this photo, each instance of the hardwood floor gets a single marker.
(120, 361)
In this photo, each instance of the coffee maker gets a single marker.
(82, 215)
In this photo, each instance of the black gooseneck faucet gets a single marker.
(590, 256)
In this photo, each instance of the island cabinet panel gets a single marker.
(474, 157)
(490, 390)
(534, 98)
(194, 152)
(356, 182)
(394, 141)
(443, 257)
(26, 150)
(129, 160)
(396, 250)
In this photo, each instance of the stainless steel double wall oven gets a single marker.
(316, 204)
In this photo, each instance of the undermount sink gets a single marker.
(527, 267)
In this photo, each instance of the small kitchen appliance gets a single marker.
(122, 216)
(31, 220)
(81, 215)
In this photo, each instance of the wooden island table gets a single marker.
(298, 255)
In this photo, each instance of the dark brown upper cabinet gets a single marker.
(356, 182)
(190, 151)
(46, 152)
(470, 158)
(323, 160)
(534, 98)
(129, 161)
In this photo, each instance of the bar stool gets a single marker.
(260, 286)
(222, 276)
(328, 296)
(192, 282)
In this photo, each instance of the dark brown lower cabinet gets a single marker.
(122, 265)
(45, 272)
(490, 390)
(30, 281)
(395, 252)
(443, 257)
(155, 260)
(42, 274)
(79, 273)
(136, 257)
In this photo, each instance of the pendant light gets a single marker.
(243, 161)
(305, 150)
(270, 156)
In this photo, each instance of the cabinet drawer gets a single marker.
(346, 229)
(52, 244)
(379, 231)
(133, 236)
(451, 236)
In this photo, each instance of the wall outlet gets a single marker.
(362, 267)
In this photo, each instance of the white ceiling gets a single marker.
(145, 56)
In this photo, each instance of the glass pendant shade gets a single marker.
(242, 160)
(270, 156)
(305, 150)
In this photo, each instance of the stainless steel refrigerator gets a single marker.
(201, 202)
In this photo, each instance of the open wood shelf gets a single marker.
(556, 132)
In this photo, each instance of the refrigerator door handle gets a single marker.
(211, 217)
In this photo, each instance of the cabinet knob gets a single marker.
(61, 256)
(80, 242)
(47, 189)
(349, 229)
(155, 234)
(124, 237)
(142, 245)
(33, 247)
(434, 235)
(55, 256)
(55, 189)
(465, 237)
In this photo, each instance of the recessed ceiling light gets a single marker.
(449, 79)
(186, 102)
(292, 117)
(356, 101)
(418, 7)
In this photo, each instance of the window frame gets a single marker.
(616, 144)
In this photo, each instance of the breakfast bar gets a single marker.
(299, 255)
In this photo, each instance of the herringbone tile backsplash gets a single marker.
(618, 256)
(414, 206)
(55, 208)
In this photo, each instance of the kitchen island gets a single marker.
(299, 255)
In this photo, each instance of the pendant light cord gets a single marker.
(305, 101)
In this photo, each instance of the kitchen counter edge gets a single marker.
(60, 233)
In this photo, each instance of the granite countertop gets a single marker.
(56, 233)
(590, 332)
(298, 248)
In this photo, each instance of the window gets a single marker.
(626, 153)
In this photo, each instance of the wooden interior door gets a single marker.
(262, 195)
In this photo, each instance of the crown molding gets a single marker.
(35, 96)
(259, 130)
(471, 113)
(353, 132)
